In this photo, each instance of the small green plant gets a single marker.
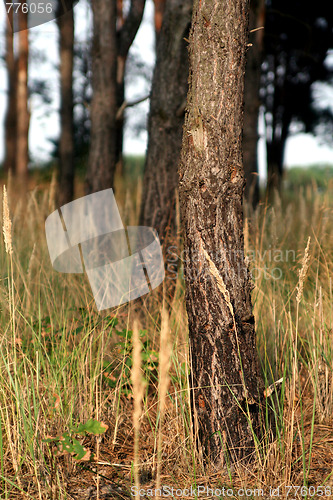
(67, 443)
(48, 334)
(120, 373)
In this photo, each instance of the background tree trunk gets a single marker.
(23, 115)
(10, 118)
(251, 98)
(166, 118)
(275, 154)
(159, 7)
(66, 146)
(126, 34)
(227, 384)
(102, 157)
(109, 54)
(120, 13)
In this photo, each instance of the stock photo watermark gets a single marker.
(267, 264)
(284, 491)
(121, 263)
(35, 12)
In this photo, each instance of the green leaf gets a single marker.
(78, 449)
(92, 427)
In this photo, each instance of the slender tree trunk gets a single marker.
(226, 381)
(120, 122)
(10, 118)
(275, 155)
(102, 157)
(126, 34)
(278, 116)
(120, 13)
(23, 115)
(66, 149)
(109, 53)
(166, 119)
(251, 97)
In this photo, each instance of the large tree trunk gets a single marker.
(226, 381)
(102, 157)
(66, 147)
(23, 115)
(10, 119)
(166, 118)
(251, 97)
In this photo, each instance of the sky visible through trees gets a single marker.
(302, 149)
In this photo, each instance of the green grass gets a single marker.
(62, 363)
(319, 175)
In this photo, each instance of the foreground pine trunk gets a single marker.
(227, 385)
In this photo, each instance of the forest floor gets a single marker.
(67, 384)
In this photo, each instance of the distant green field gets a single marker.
(134, 165)
(320, 175)
(315, 175)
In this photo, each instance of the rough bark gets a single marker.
(251, 98)
(23, 115)
(66, 146)
(226, 383)
(166, 118)
(10, 118)
(102, 156)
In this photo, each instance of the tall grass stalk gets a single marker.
(163, 383)
(138, 393)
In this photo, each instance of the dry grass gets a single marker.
(62, 363)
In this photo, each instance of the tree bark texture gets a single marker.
(166, 119)
(10, 118)
(66, 147)
(252, 103)
(102, 155)
(226, 383)
(23, 115)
